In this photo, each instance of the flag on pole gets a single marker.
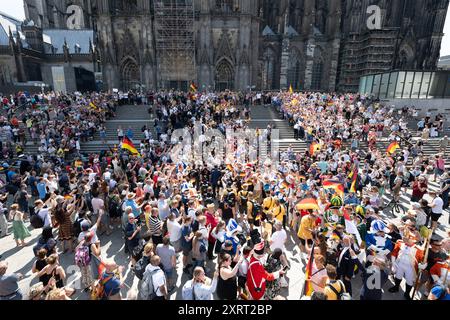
(291, 90)
(336, 185)
(392, 148)
(351, 228)
(354, 176)
(128, 145)
(308, 288)
(193, 87)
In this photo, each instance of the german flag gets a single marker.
(284, 184)
(193, 87)
(308, 288)
(334, 184)
(128, 145)
(354, 177)
(230, 167)
(392, 148)
(313, 148)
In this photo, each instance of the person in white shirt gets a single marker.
(278, 240)
(174, 230)
(43, 213)
(436, 208)
(203, 288)
(158, 278)
(52, 183)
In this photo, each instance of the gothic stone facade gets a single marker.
(309, 44)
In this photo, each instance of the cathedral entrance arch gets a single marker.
(224, 75)
(130, 75)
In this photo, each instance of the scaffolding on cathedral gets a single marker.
(175, 43)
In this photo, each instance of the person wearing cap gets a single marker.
(86, 229)
(130, 202)
(257, 275)
(406, 258)
(9, 283)
(233, 228)
(377, 241)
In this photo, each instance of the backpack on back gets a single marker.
(82, 256)
(147, 290)
(139, 268)
(341, 295)
(36, 221)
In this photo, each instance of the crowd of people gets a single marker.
(227, 218)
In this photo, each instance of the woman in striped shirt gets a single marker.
(155, 226)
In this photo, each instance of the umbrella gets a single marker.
(308, 204)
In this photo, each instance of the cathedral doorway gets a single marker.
(130, 75)
(224, 76)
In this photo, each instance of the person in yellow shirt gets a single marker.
(278, 211)
(268, 204)
(333, 287)
(305, 232)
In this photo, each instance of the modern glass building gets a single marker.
(407, 85)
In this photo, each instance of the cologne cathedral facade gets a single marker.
(251, 44)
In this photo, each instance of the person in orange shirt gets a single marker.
(440, 271)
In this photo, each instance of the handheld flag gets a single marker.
(308, 288)
(313, 148)
(351, 228)
(193, 87)
(291, 90)
(354, 177)
(336, 185)
(128, 145)
(392, 148)
(92, 105)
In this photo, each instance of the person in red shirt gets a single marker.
(211, 220)
(419, 187)
(257, 275)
